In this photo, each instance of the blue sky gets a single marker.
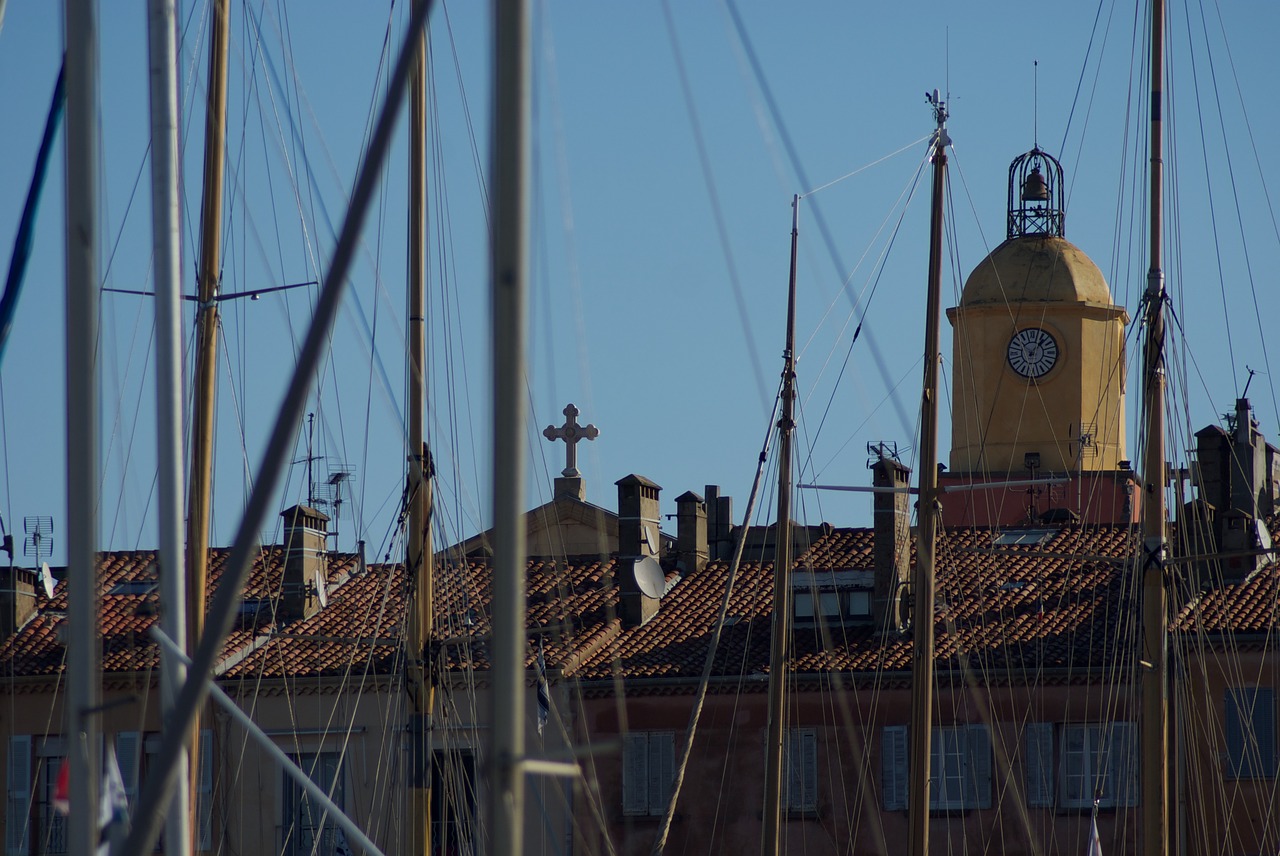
(663, 175)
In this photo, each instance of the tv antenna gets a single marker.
(38, 545)
(332, 493)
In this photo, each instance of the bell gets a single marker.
(1034, 188)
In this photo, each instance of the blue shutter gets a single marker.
(893, 766)
(1234, 713)
(978, 776)
(204, 793)
(1264, 726)
(661, 770)
(129, 755)
(1122, 764)
(18, 804)
(1038, 764)
(635, 773)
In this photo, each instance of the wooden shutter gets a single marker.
(978, 775)
(635, 773)
(661, 769)
(1037, 750)
(204, 795)
(1075, 768)
(18, 804)
(893, 766)
(129, 756)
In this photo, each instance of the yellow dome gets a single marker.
(1036, 268)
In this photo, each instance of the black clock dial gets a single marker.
(1032, 352)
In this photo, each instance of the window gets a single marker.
(959, 767)
(648, 769)
(830, 605)
(50, 825)
(1098, 762)
(453, 803)
(800, 763)
(308, 828)
(860, 603)
(1250, 726)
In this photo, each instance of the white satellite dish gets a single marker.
(46, 577)
(320, 589)
(649, 577)
(1264, 537)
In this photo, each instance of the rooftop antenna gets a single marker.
(1252, 372)
(309, 459)
(38, 545)
(331, 493)
(1035, 103)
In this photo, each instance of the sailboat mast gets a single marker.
(782, 559)
(82, 237)
(198, 499)
(166, 247)
(508, 301)
(418, 542)
(920, 736)
(1154, 671)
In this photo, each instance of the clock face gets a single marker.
(1032, 352)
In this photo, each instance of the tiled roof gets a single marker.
(1060, 607)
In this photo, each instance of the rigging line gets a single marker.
(717, 209)
(865, 167)
(904, 198)
(793, 154)
(1212, 209)
(704, 682)
(1261, 173)
(1088, 52)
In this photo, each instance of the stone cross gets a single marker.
(571, 432)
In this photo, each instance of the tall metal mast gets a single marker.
(166, 244)
(508, 305)
(82, 235)
(418, 541)
(920, 736)
(779, 650)
(1155, 669)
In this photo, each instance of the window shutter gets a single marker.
(809, 755)
(893, 763)
(1233, 725)
(128, 755)
(661, 770)
(1038, 752)
(204, 796)
(1264, 726)
(635, 773)
(18, 805)
(1122, 764)
(978, 776)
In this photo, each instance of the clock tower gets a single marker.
(1038, 355)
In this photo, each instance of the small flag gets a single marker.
(1095, 845)
(62, 789)
(113, 801)
(544, 691)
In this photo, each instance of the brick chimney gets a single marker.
(305, 560)
(17, 598)
(691, 533)
(638, 539)
(892, 541)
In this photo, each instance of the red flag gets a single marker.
(62, 789)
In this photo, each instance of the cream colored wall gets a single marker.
(998, 416)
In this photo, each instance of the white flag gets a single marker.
(113, 800)
(1095, 846)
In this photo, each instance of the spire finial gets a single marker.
(1035, 103)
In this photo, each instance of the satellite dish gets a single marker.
(1264, 537)
(320, 589)
(46, 577)
(649, 577)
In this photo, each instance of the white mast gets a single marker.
(166, 247)
(508, 305)
(82, 233)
